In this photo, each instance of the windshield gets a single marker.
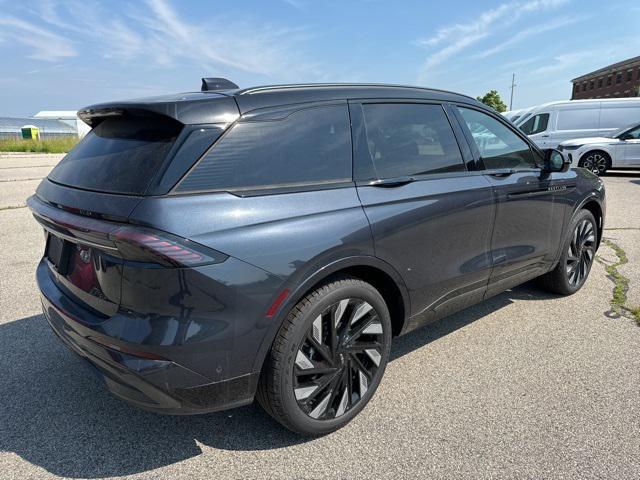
(522, 118)
(618, 133)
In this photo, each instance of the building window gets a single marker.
(618, 77)
(592, 84)
(629, 75)
(599, 83)
(609, 81)
(584, 86)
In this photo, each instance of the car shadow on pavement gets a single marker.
(625, 173)
(56, 415)
(441, 328)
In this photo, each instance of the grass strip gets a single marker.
(620, 283)
(49, 145)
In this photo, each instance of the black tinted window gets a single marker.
(499, 147)
(536, 124)
(407, 140)
(308, 146)
(120, 155)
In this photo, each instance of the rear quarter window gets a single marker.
(120, 155)
(307, 147)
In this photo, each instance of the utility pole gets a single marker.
(513, 86)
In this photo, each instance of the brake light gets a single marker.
(132, 243)
(141, 244)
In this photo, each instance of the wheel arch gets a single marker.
(367, 268)
(593, 206)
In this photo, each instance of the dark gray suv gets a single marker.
(209, 248)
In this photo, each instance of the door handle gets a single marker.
(544, 136)
(392, 182)
(505, 172)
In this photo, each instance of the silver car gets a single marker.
(599, 154)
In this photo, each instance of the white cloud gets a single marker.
(460, 37)
(44, 44)
(297, 4)
(157, 34)
(530, 32)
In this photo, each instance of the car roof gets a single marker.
(274, 95)
(220, 105)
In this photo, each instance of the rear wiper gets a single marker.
(392, 182)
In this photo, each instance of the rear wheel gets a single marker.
(596, 161)
(577, 258)
(328, 358)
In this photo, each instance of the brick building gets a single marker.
(619, 80)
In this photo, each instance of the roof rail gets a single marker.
(266, 88)
(212, 84)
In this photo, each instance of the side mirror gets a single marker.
(555, 161)
(628, 136)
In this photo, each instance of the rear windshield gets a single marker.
(120, 155)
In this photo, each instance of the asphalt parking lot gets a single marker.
(526, 385)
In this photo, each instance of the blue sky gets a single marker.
(67, 54)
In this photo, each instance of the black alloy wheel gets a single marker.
(338, 359)
(582, 250)
(328, 357)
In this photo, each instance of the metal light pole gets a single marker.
(513, 85)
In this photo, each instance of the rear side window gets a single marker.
(536, 124)
(408, 140)
(582, 119)
(499, 147)
(311, 146)
(120, 155)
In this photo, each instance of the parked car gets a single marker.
(203, 249)
(514, 115)
(599, 154)
(553, 123)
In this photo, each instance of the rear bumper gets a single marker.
(132, 372)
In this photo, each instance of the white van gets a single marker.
(550, 124)
(514, 115)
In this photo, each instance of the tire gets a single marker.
(596, 161)
(578, 253)
(322, 402)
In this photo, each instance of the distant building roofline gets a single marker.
(67, 114)
(613, 66)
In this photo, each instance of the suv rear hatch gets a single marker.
(85, 203)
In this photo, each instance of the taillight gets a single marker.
(132, 243)
(145, 245)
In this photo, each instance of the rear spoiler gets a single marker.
(188, 108)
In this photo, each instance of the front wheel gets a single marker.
(579, 250)
(328, 358)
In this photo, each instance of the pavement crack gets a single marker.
(26, 166)
(12, 207)
(622, 228)
(618, 302)
(19, 179)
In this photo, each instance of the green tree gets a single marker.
(492, 99)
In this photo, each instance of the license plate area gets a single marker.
(58, 252)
